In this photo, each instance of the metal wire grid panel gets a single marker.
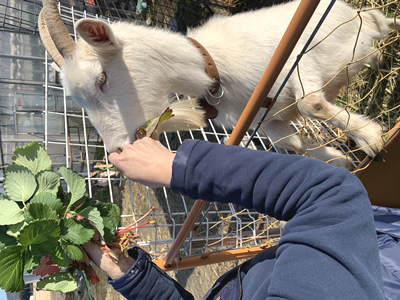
(15, 16)
(21, 16)
(180, 15)
(220, 227)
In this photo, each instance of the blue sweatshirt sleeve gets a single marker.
(328, 249)
(144, 280)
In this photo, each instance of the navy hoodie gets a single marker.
(328, 249)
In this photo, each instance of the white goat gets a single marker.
(123, 73)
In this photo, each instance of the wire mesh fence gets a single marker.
(75, 143)
(69, 137)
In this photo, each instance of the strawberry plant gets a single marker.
(43, 227)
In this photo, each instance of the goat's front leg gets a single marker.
(366, 133)
(284, 136)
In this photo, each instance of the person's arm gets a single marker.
(328, 249)
(98, 255)
(135, 276)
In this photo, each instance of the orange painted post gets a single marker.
(209, 258)
(296, 27)
(183, 233)
(289, 40)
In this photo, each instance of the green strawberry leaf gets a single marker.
(150, 126)
(5, 239)
(62, 282)
(39, 211)
(41, 235)
(73, 251)
(93, 215)
(109, 235)
(77, 231)
(31, 262)
(111, 217)
(60, 257)
(76, 184)
(48, 181)
(110, 213)
(33, 157)
(14, 230)
(12, 260)
(48, 199)
(10, 213)
(19, 183)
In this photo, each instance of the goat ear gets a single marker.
(98, 34)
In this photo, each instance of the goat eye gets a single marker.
(101, 79)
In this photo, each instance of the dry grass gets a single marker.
(376, 92)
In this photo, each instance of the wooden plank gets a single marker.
(381, 176)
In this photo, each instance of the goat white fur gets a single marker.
(144, 65)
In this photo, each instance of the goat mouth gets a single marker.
(119, 150)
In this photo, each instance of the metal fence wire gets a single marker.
(220, 227)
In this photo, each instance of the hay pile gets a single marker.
(376, 91)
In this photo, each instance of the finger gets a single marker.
(113, 157)
(94, 251)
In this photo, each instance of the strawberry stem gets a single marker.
(138, 220)
(129, 228)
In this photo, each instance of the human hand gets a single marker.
(145, 161)
(96, 249)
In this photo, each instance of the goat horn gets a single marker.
(56, 32)
(48, 41)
